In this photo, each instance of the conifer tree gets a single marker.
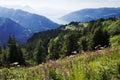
(21, 59)
(15, 53)
(12, 56)
(39, 53)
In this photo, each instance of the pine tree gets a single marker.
(12, 56)
(15, 53)
(101, 37)
(21, 59)
(70, 44)
(39, 53)
(54, 48)
(83, 44)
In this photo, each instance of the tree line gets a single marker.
(59, 43)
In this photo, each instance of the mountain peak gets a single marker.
(28, 20)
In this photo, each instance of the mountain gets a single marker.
(86, 15)
(9, 27)
(33, 22)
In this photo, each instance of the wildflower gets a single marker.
(55, 65)
(47, 77)
(65, 74)
(45, 69)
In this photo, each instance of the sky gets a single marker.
(54, 9)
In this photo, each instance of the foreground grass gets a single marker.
(96, 65)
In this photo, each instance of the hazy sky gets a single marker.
(63, 4)
(57, 8)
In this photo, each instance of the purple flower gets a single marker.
(65, 74)
(55, 65)
(45, 69)
(47, 77)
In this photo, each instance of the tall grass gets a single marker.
(95, 65)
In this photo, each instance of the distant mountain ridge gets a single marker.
(87, 15)
(9, 27)
(22, 24)
(33, 22)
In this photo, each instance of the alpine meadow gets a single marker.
(59, 40)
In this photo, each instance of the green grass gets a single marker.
(95, 65)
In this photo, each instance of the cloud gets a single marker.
(114, 0)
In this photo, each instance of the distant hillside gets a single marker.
(9, 27)
(73, 26)
(78, 36)
(33, 22)
(86, 15)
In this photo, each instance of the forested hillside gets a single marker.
(77, 37)
(74, 38)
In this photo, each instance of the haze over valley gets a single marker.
(54, 9)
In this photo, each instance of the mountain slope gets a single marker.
(31, 21)
(86, 15)
(9, 27)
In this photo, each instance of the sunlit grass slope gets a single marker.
(96, 65)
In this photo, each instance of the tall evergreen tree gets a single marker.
(70, 44)
(15, 53)
(101, 37)
(55, 46)
(12, 56)
(83, 44)
(39, 53)
(21, 59)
